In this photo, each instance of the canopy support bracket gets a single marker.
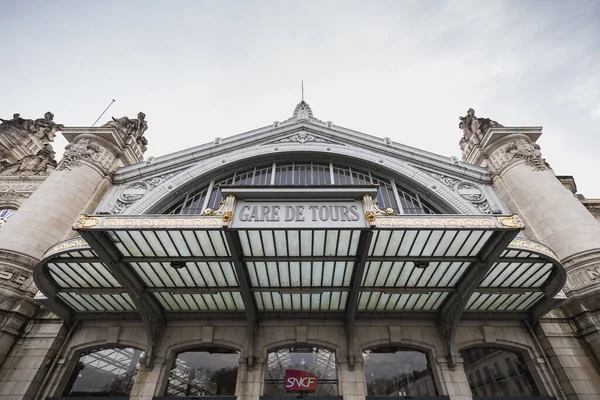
(235, 248)
(454, 306)
(149, 309)
(364, 243)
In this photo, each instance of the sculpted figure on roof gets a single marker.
(43, 129)
(471, 125)
(133, 128)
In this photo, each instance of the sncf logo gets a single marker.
(299, 381)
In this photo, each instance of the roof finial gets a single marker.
(302, 90)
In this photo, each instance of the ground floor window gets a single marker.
(104, 372)
(204, 372)
(497, 372)
(394, 371)
(315, 360)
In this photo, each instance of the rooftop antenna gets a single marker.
(106, 109)
(302, 90)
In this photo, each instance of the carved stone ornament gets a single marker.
(133, 192)
(84, 149)
(467, 191)
(470, 192)
(42, 163)
(138, 190)
(446, 180)
(302, 137)
(530, 152)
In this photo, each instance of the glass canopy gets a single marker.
(199, 264)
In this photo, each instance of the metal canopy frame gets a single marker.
(442, 268)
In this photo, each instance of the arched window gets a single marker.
(5, 214)
(394, 371)
(494, 372)
(391, 193)
(104, 372)
(204, 372)
(318, 361)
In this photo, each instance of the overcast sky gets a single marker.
(402, 69)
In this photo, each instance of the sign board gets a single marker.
(299, 214)
(300, 381)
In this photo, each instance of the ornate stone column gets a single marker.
(46, 217)
(555, 217)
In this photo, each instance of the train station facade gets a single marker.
(300, 249)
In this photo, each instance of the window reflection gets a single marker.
(497, 372)
(105, 372)
(392, 371)
(204, 372)
(318, 361)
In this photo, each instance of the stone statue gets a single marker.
(133, 128)
(38, 164)
(471, 125)
(16, 121)
(45, 128)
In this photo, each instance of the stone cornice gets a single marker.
(396, 166)
(330, 132)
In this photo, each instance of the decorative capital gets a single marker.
(77, 152)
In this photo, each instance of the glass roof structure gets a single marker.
(159, 267)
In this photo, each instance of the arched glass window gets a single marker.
(5, 214)
(391, 193)
(204, 372)
(494, 372)
(104, 372)
(315, 360)
(393, 371)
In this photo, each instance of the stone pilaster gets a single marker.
(147, 382)
(250, 382)
(46, 217)
(352, 382)
(455, 380)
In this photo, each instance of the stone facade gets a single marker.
(102, 171)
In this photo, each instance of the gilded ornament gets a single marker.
(370, 216)
(511, 222)
(86, 222)
(387, 211)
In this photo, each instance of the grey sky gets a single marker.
(401, 69)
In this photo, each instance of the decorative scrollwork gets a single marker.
(387, 211)
(66, 245)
